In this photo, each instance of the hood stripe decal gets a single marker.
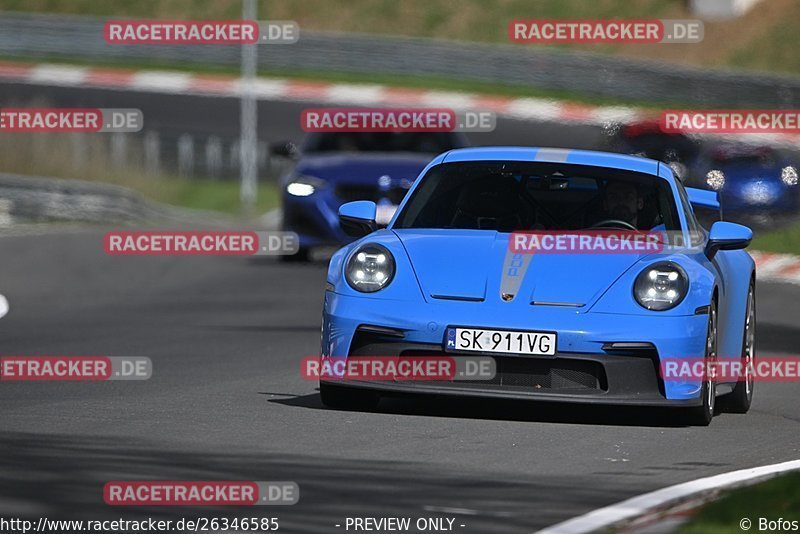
(515, 265)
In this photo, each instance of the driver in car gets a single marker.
(623, 202)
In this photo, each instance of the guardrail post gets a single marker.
(80, 150)
(119, 149)
(152, 152)
(214, 156)
(185, 156)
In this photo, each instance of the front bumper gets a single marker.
(579, 378)
(581, 371)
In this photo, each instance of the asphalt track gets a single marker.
(226, 400)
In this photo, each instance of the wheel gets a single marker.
(702, 415)
(739, 400)
(302, 255)
(346, 398)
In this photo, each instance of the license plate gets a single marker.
(503, 341)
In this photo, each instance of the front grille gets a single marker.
(548, 374)
(514, 373)
(532, 374)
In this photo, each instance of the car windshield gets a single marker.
(519, 196)
(424, 142)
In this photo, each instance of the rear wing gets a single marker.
(703, 198)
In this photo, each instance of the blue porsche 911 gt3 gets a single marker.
(444, 271)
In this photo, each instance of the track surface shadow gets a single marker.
(511, 410)
(62, 477)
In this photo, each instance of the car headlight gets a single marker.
(661, 286)
(304, 186)
(789, 175)
(370, 268)
(715, 179)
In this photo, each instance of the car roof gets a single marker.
(553, 155)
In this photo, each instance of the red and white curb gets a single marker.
(772, 267)
(172, 82)
(284, 89)
(603, 518)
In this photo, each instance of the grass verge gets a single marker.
(205, 194)
(763, 38)
(771, 500)
(87, 157)
(784, 240)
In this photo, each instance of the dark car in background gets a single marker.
(645, 138)
(335, 168)
(751, 180)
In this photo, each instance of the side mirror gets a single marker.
(727, 236)
(284, 149)
(357, 219)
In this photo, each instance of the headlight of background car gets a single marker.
(370, 268)
(661, 286)
(789, 175)
(304, 186)
(715, 180)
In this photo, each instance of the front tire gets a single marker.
(702, 415)
(740, 399)
(347, 398)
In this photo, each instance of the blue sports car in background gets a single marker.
(335, 168)
(751, 181)
(441, 279)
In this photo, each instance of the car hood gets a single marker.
(361, 167)
(475, 265)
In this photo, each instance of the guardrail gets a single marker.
(59, 36)
(33, 199)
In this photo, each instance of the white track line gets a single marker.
(163, 82)
(355, 94)
(610, 515)
(261, 88)
(47, 74)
